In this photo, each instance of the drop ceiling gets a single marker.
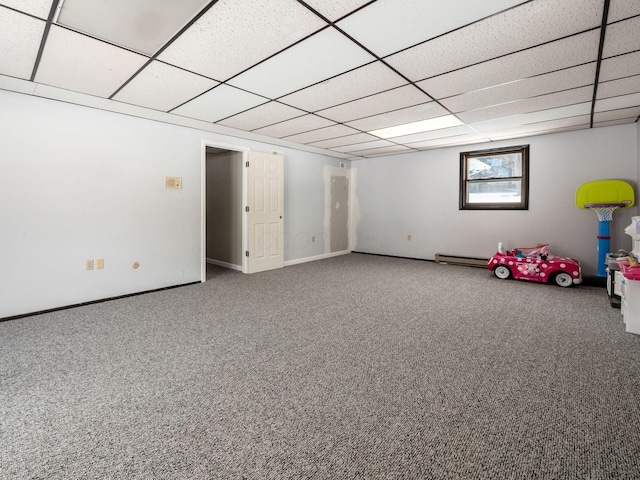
(330, 76)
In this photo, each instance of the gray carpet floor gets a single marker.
(355, 367)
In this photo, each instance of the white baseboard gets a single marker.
(224, 264)
(288, 263)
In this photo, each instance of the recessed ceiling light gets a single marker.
(417, 127)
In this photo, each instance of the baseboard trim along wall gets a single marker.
(288, 263)
(224, 264)
(108, 299)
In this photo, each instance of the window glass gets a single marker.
(494, 179)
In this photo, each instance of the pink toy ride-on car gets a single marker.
(535, 264)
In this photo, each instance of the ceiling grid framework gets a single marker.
(337, 77)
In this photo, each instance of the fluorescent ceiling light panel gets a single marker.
(234, 35)
(144, 25)
(433, 134)
(377, 24)
(416, 113)
(324, 55)
(417, 127)
(19, 43)
(76, 62)
(163, 87)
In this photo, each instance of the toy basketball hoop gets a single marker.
(604, 211)
(604, 197)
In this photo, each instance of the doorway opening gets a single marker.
(223, 197)
(242, 209)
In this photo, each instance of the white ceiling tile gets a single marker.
(620, 66)
(538, 132)
(163, 87)
(144, 25)
(387, 101)
(296, 125)
(387, 26)
(221, 102)
(614, 103)
(82, 64)
(449, 141)
(416, 113)
(333, 10)
(364, 146)
(17, 85)
(433, 134)
(377, 152)
(70, 96)
(232, 36)
(622, 86)
(498, 35)
(20, 37)
(519, 89)
(622, 37)
(632, 112)
(619, 9)
(261, 116)
(319, 57)
(563, 53)
(39, 8)
(610, 123)
(358, 83)
(346, 140)
(580, 120)
(534, 117)
(322, 134)
(542, 102)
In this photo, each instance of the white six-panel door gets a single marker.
(264, 212)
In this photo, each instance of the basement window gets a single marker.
(496, 179)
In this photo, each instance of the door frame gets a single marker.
(203, 201)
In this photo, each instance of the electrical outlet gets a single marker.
(89, 264)
(100, 263)
(409, 237)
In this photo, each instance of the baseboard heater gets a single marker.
(459, 260)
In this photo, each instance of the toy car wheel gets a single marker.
(502, 272)
(563, 279)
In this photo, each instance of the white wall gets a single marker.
(417, 194)
(81, 183)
